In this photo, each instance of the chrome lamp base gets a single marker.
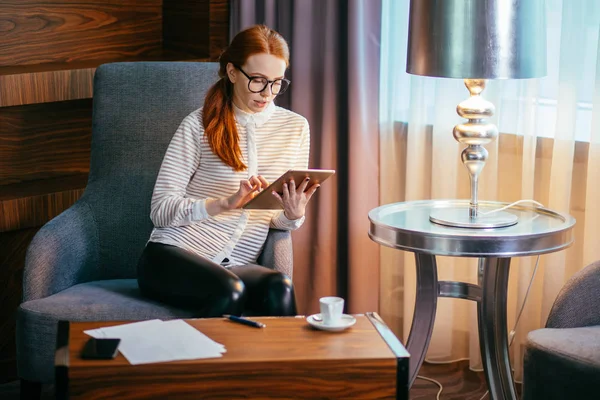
(458, 217)
(475, 133)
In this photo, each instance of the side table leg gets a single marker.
(493, 340)
(424, 316)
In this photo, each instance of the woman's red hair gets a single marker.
(217, 114)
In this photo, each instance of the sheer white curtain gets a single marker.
(548, 150)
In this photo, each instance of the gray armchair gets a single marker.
(81, 266)
(562, 361)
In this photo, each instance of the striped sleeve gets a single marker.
(279, 220)
(170, 206)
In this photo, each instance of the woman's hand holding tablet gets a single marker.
(265, 200)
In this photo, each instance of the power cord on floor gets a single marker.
(434, 381)
(511, 334)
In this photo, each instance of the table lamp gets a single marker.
(476, 40)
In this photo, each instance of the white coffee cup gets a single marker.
(331, 309)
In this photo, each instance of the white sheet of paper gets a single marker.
(160, 341)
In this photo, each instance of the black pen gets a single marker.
(244, 321)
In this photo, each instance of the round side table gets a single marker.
(406, 226)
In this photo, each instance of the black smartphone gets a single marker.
(100, 348)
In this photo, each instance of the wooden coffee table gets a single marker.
(287, 359)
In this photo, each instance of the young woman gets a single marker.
(203, 249)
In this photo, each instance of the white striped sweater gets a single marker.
(272, 142)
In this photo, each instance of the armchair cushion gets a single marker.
(109, 300)
(277, 252)
(578, 303)
(562, 360)
(64, 253)
(562, 364)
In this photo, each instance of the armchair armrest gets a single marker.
(63, 253)
(277, 252)
(578, 302)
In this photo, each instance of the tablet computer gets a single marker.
(265, 199)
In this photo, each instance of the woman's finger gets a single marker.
(286, 192)
(263, 181)
(278, 197)
(244, 184)
(256, 183)
(303, 185)
(292, 186)
(311, 191)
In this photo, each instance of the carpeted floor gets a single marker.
(458, 382)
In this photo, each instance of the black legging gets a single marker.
(180, 278)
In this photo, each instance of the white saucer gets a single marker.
(346, 322)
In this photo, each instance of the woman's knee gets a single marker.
(234, 290)
(280, 289)
(279, 282)
(280, 298)
(229, 299)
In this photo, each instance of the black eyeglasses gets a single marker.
(257, 84)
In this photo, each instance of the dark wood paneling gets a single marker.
(45, 86)
(186, 26)
(36, 188)
(36, 31)
(219, 27)
(12, 258)
(52, 196)
(44, 160)
(43, 83)
(42, 141)
(191, 30)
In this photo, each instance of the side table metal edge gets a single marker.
(61, 361)
(402, 356)
(380, 237)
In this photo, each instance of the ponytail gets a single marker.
(219, 124)
(218, 117)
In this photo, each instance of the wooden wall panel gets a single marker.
(12, 260)
(37, 31)
(185, 26)
(35, 203)
(45, 86)
(219, 27)
(41, 141)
